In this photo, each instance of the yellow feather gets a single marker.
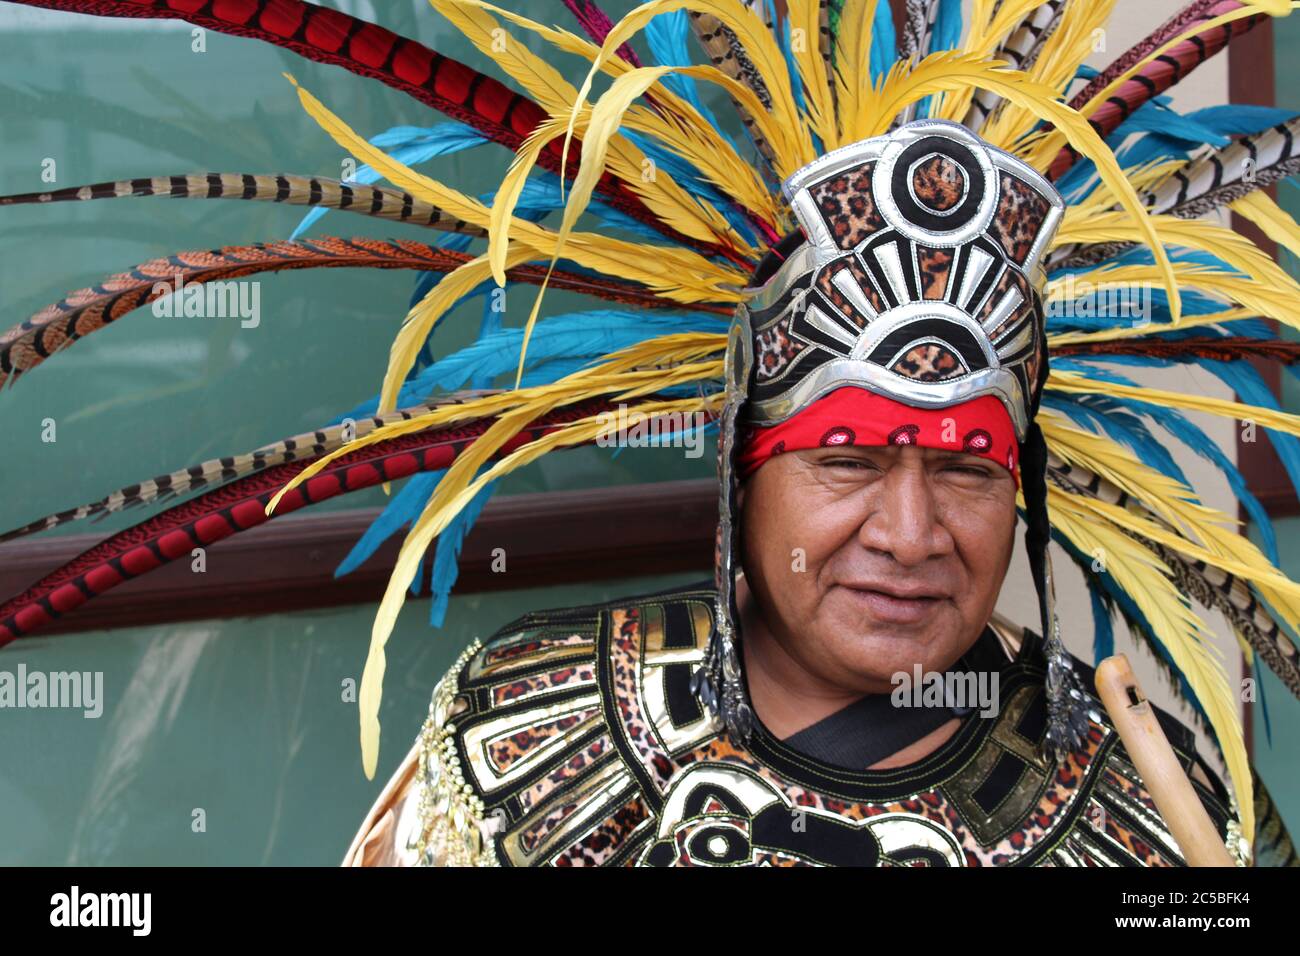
(852, 63)
(668, 200)
(805, 17)
(1206, 236)
(420, 320)
(1141, 177)
(1274, 221)
(646, 366)
(793, 144)
(985, 36)
(1257, 298)
(507, 196)
(685, 131)
(408, 564)
(454, 492)
(605, 118)
(672, 271)
(1177, 627)
(1063, 381)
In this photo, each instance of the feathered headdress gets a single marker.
(688, 206)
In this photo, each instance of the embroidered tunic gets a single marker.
(572, 738)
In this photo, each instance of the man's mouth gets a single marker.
(894, 604)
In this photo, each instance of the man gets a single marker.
(883, 381)
(880, 421)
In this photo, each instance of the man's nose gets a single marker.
(903, 519)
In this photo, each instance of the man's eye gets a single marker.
(969, 470)
(846, 463)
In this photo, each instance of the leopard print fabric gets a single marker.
(929, 363)
(845, 203)
(1018, 217)
(938, 183)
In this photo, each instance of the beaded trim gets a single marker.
(453, 831)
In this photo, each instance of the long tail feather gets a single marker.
(241, 505)
(382, 202)
(1227, 174)
(597, 25)
(725, 52)
(1020, 51)
(181, 482)
(1227, 349)
(1159, 75)
(1192, 13)
(1202, 185)
(328, 36)
(57, 326)
(916, 14)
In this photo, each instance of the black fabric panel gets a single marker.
(959, 337)
(1033, 723)
(679, 630)
(683, 706)
(1005, 774)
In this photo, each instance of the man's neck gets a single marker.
(789, 700)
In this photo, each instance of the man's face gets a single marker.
(902, 549)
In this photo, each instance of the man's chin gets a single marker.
(878, 652)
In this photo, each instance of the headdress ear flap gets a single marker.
(1067, 706)
(720, 683)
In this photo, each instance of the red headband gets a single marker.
(856, 416)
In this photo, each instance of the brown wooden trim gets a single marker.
(1251, 80)
(288, 564)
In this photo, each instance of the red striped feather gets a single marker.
(240, 505)
(1158, 75)
(447, 85)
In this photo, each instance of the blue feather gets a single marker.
(947, 26)
(1103, 637)
(945, 36)
(580, 335)
(1245, 380)
(1132, 613)
(446, 561)
(1190, 435)
(404, 508)
(667, 36)
(884, 42)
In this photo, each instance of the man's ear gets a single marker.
(740, 496)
